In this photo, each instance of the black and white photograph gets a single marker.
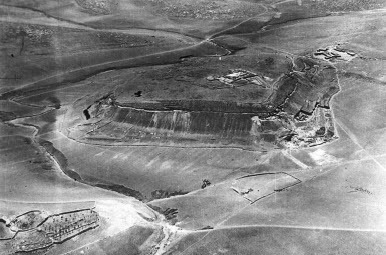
(193, 127)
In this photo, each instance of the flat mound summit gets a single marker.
(252, 102)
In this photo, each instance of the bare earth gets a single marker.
(192, 127)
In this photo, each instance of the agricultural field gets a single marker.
(192, 127)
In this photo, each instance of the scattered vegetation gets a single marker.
(205, 183)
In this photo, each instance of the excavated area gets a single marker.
(279, 102)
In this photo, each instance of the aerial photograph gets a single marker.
(193, 127)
